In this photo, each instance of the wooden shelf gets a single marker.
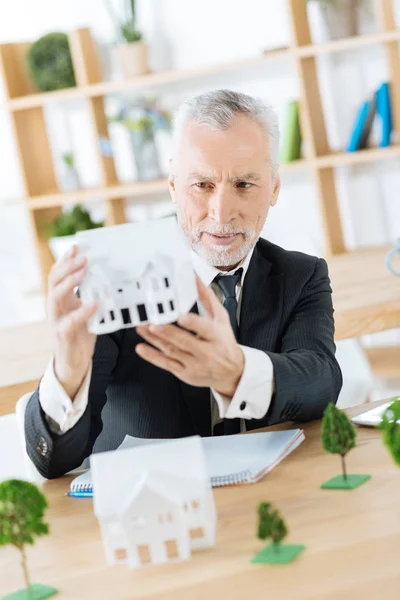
(123, 190)
(142, 82)
(351, 43)
(343, 159)
(175, 76)
(27, 115)
(146, 188)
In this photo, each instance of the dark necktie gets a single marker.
(228, 283)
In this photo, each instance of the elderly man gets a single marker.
(261, 351)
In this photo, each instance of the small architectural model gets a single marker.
(138, 273)
(154, 503)
(339, 437)
(271, 525)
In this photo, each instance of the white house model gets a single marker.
(138, 273)
(154, 503)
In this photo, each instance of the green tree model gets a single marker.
(22, 508)
(338, 434)
(270, 524)
(391, 430)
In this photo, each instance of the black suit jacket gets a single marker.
(286, 312)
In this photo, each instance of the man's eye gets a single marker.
(243, 185)
(202, 185)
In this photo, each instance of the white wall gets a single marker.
(190, 33)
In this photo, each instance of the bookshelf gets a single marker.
(26, 109)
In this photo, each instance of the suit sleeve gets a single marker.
(307, 374)
(54, 455)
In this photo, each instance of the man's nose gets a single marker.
(222, 206)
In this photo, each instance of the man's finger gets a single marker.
(204, 328)
(156, 358)
(65, 267)
(68, 284)
(165, 342)
(75, 319)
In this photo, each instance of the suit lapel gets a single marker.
(261, 309)
(198, 402)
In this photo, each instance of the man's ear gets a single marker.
(171, 182)
(276, 190)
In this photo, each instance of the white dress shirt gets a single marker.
(250, 401)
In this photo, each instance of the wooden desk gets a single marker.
(366, 296)
(352, 539)
(366, 299)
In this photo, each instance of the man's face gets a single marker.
(221, 182)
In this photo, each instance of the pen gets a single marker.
(80, 494)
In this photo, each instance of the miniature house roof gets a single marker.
(156, 483)
(116, 474)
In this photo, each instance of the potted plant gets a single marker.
(61, 232)
(49, 63)
(131, 50)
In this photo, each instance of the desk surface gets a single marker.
(352, 539)
(366, 299)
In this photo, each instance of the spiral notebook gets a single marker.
(231, 459)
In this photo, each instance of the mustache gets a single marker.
(227, 229)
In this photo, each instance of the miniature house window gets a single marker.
(169, 518)
(120, 554)
(144, 554)
(196, 533)
(195, 504)
(160, 309)
(166, 281)
(126, 316)
(171, 305)
(172, 548)
(138, 285)
(120, 291)
(112, 315)
(142, 312)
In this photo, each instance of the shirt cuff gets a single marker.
(61, 413)
(254, 392)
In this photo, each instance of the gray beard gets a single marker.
(222, 256)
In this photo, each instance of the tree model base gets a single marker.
(340, 483)
(277, 555)
(39, 592)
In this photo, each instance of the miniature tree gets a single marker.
(391, 430)
(339, 437)
(22, 508)
(338, 434)
(271, 525)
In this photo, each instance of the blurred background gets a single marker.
(86, 96)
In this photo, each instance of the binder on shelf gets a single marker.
(291, 143)
(384, 111)
(362, 125)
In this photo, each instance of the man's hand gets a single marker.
(211, 358)
(68, 318)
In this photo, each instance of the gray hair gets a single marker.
(218, 108)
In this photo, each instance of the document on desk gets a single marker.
(231, 459)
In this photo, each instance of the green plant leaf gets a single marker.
(391, 430)
(49, 62)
